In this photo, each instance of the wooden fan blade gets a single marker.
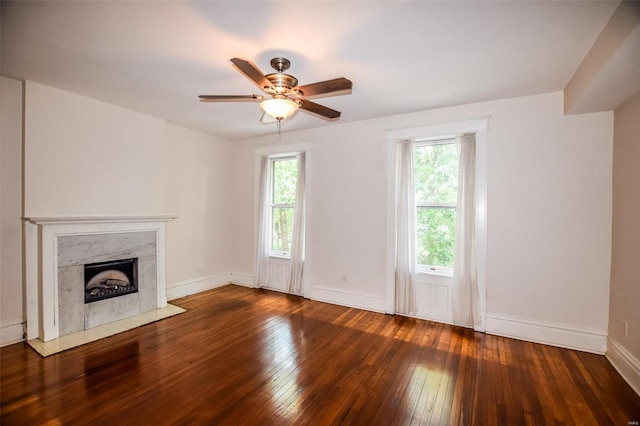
(230, 98)
(252, 72)
(331, 87)
(319, 110)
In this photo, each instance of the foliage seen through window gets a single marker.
(436, 187)
(284, 177)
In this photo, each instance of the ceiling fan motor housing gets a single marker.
(281, 82)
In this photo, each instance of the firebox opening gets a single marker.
(104, 280)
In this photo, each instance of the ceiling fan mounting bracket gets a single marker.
(280, 64)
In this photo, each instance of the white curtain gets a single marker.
(264, 224)
(465, 292)
(297, 239)
(406, 297)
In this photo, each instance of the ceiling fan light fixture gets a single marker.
(279, 108)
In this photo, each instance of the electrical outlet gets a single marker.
(626, 327)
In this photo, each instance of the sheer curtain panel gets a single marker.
(297, 243)
(465, 291)
(406, 297)
(262, 247)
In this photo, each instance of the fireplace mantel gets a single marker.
(41, 263)
(98, 219)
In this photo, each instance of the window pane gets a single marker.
(282, 228)
(436, 229)
(285, 175)
(436, 173)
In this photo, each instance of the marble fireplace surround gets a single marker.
(55, 247)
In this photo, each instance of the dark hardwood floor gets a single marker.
(244, 356)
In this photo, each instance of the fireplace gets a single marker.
(57, 250)
(104, 280)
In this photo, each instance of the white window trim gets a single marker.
(283, 150)
(436, 140)
(437, 130)
(479, 126)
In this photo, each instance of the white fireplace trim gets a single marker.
(41, 261)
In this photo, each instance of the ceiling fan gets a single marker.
(283, 95)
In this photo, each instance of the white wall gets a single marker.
(549, 215)
(624, 345)
(11, 301)
(198, 189)
(346, 233)
(86, 157)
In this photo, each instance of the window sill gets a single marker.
(435, 274)
(435, 271)
(279, 256)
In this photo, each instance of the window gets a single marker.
(436, 187)
(284, 175)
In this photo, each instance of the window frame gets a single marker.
(434, 269)
(401, 129)
(278, 254)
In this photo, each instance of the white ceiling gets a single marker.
(157, 57)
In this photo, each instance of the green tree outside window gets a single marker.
(436, 186)
(284, 178)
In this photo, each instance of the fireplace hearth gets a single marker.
(104, 280)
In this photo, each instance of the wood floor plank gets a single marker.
(246, 356)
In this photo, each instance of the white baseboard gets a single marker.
(324, 294)
(10, 334)
(554, 334)
(243, 279)
(627, 365)
(197, 285)
(351, 299)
